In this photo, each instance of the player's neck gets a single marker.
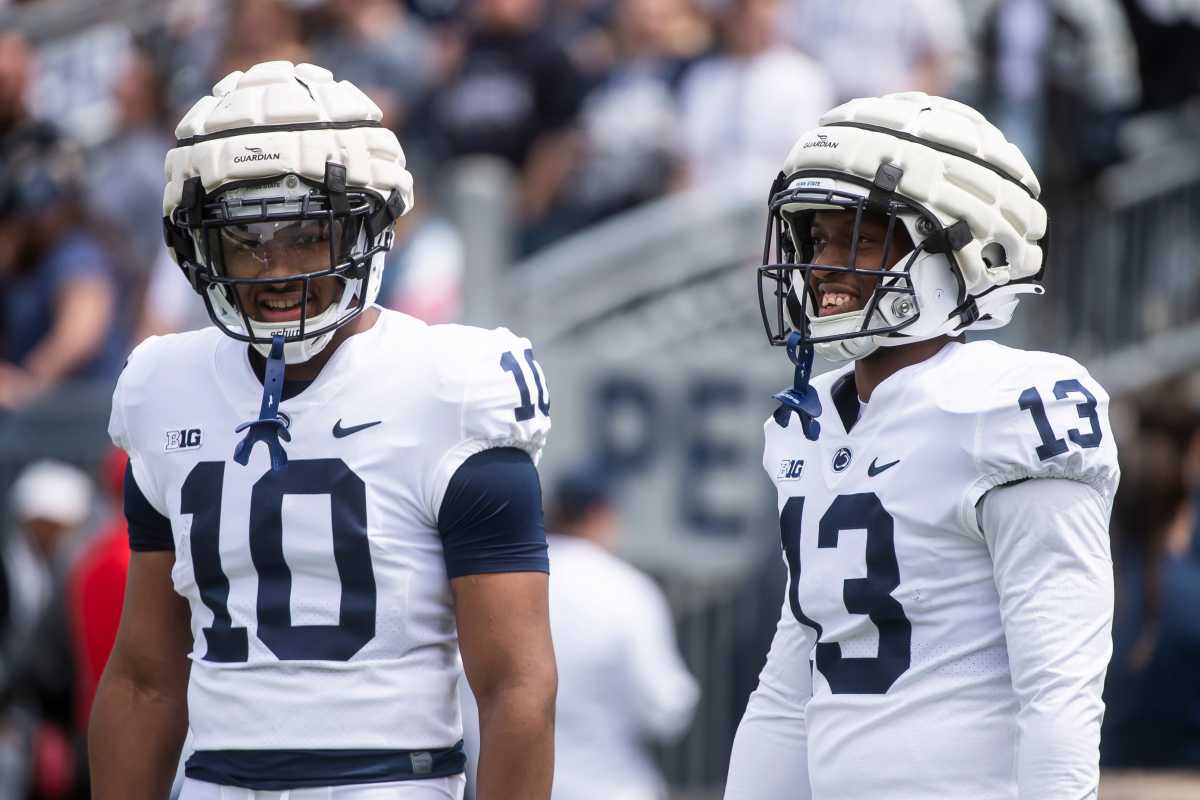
(309, 370)
(874, 369)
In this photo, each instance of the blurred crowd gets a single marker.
(596, 106)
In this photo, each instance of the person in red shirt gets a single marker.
(97, 592)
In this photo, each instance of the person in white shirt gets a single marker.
(743, 107)
(622, 683)
(944, 505)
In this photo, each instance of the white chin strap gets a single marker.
(300, 351)
(842, 349)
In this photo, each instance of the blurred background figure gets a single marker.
(425, 268)
(1059, 76)
(630, 153)
(871, 48)
(381, 48)
(510, 91)
(16, 64)
(745, 106)
(124, 175)
(96, 589)
(59, 300)
(1153, 688)
(51, 502)
(622, 685)
(257, 31)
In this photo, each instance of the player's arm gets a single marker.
(770, 750)
(495, 544)
(1049, 543)
(139, 718)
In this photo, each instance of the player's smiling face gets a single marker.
(280, 249)
(831, 231)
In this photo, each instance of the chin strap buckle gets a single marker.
(270, 425)
(801, 398)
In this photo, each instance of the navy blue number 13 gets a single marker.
(1051, 445)
(201, 497)
(871, 595)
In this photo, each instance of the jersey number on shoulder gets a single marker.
(509, 363)
(1051, 445)
(201, 495)
(871, 595)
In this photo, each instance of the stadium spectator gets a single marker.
(380, 48)
(511, 93)
(745, 106)
(1059, 77)
(630, 152)
(124, 176)
(1152, 694)
(170, 304)
(871, 48)
(58, 297)
(622, 684)
(424, 268)
(51, 501)
(261, 30)
(1168, 37)
(15, 70)
(96, 591)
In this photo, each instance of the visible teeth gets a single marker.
(834, 299)
(280, 305)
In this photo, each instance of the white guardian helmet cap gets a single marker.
(281, 156)
(965, 195)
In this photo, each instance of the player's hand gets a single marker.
(18, 387)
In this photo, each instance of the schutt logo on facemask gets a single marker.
(256, 154)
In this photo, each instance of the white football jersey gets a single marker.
(892, 619)
(320, 606)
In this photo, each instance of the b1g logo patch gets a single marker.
(790, 469)
(183, 439)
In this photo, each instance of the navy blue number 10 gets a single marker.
(525, 411)
(201, 497)
(871, 596)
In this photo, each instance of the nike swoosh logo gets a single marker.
(873, 470)
(339, 431)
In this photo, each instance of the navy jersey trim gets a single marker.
(304, 769)
(148, 530)
(491, 516)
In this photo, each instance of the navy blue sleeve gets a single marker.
(148, 529)
(491, 516)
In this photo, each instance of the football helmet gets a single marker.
(967, 198)
(281, 163)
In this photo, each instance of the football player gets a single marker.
(303, 582)
(943, 505)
